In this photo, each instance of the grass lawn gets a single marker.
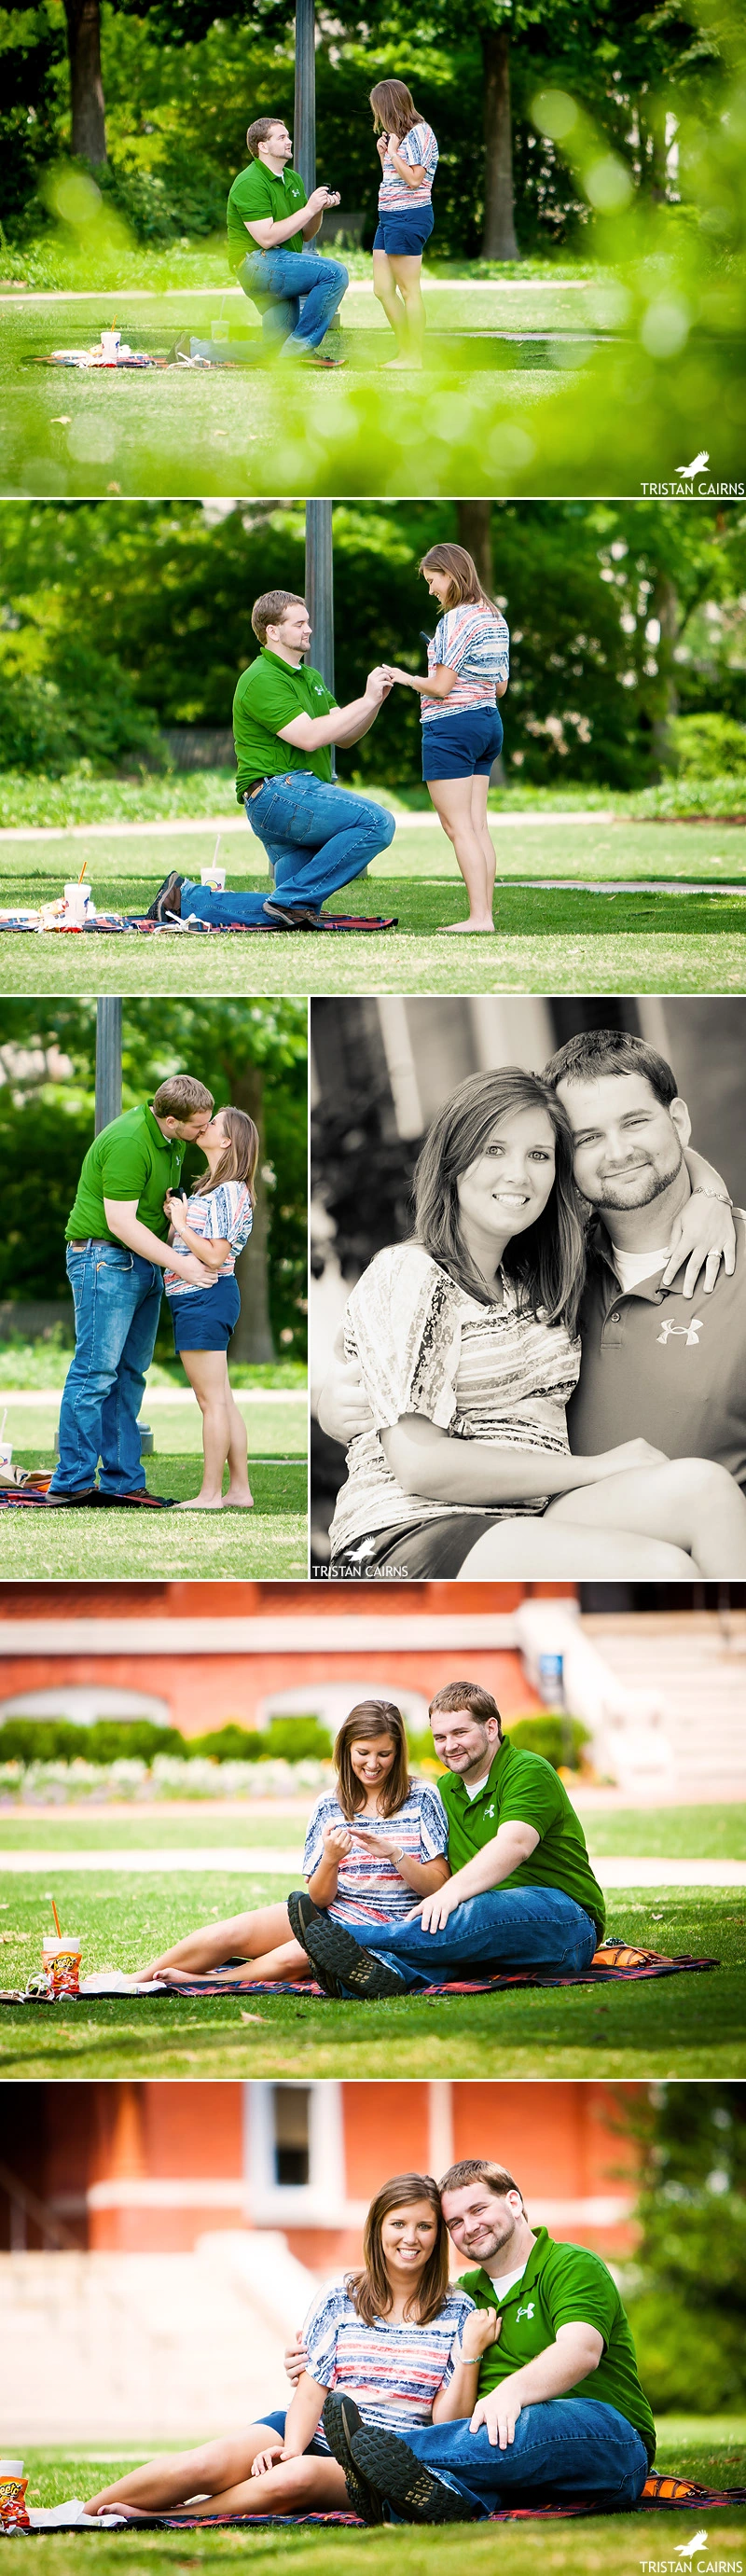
(551, 936)
(670, 1833)
(519, 397)
(686, 2026)
(712, 2451)
(38, 1546)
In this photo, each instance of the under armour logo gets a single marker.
(525, 2312)
(690, 1332)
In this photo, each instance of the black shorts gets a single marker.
(437, 1547)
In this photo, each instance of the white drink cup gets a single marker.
(111, 342)
(77, 899)
(6, 1452)
(213, 876)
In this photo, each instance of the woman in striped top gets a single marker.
(393, 2336)
(375, 1843)
(215, 1223)
(408, 154)
(468, 663)
(465, 1340)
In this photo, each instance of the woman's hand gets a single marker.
(625, 1460)
(295, 2359)
(268, 2459)
(377, 1843)
(704, 1231)
(178, 1215)
(382, 145)
(337, 1842)
(481, 2330)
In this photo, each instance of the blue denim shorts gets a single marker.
(205, 1320)
(404, 231)
(461, 746)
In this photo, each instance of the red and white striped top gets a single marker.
(420, 150)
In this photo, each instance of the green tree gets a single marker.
(688, 2307)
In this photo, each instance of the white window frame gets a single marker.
(321, 2201)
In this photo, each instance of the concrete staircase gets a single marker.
(692, 1672)
(147, 2348)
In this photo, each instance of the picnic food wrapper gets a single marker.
(13, 2484)
(61, 1964)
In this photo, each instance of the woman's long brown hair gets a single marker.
(372, 1717)
(462, 574)
(547, 1263)
(239, 1160)
(394, 110)
(370, 2290)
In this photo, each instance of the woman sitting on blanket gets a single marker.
(393, 2336)
(374, 1846)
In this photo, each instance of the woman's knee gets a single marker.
(706, 1486)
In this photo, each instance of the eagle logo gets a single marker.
(691, 2547)
(688, 472)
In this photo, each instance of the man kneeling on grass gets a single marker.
(275, 265)
(522, 1893)
(316, 835)
(559, 2413)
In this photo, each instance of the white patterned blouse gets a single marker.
(424, 1345)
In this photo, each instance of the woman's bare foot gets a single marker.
(448, 928)
(239, 1498)
(202, 1503)
(403, 362)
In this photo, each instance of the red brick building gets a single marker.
(146, 2168)
(199, 1654)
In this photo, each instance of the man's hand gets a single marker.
(343, 1409)
(706, 1232)
(437, 1910)
(378, 683)
(499, 2414)
(295, 2360)
(319, 198)
(196, 1272)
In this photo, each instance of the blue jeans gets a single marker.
(117, 1298)
(276, 280)
(317, 837)
(513, 1927)
(568, 2446)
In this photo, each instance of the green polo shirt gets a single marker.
(661, 1366)
(521, 1788)
(269, 695)
(564, 2285)
(131, 1159)
(255, 194)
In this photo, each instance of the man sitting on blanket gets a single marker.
(559, 2413)
(522, 1893)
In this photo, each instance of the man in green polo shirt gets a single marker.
(317, 836)
(522, 1893)
(558, 2412)
(117, 1247)
(271, 224)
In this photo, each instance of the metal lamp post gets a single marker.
(304, 137)
(108, 1061)
(320, 589)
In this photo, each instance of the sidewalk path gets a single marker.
(266, 1859)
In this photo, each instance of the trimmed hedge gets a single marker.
(58, 1739)
(558, 1738)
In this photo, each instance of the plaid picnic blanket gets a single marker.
(672, 2493)
(614, 1959)
(114, 924)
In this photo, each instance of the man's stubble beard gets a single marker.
(652, 1187)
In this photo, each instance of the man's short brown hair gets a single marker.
(181, 1097)
(471, 1695)
(479, 2169)
(271, 608)
(258, 132)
